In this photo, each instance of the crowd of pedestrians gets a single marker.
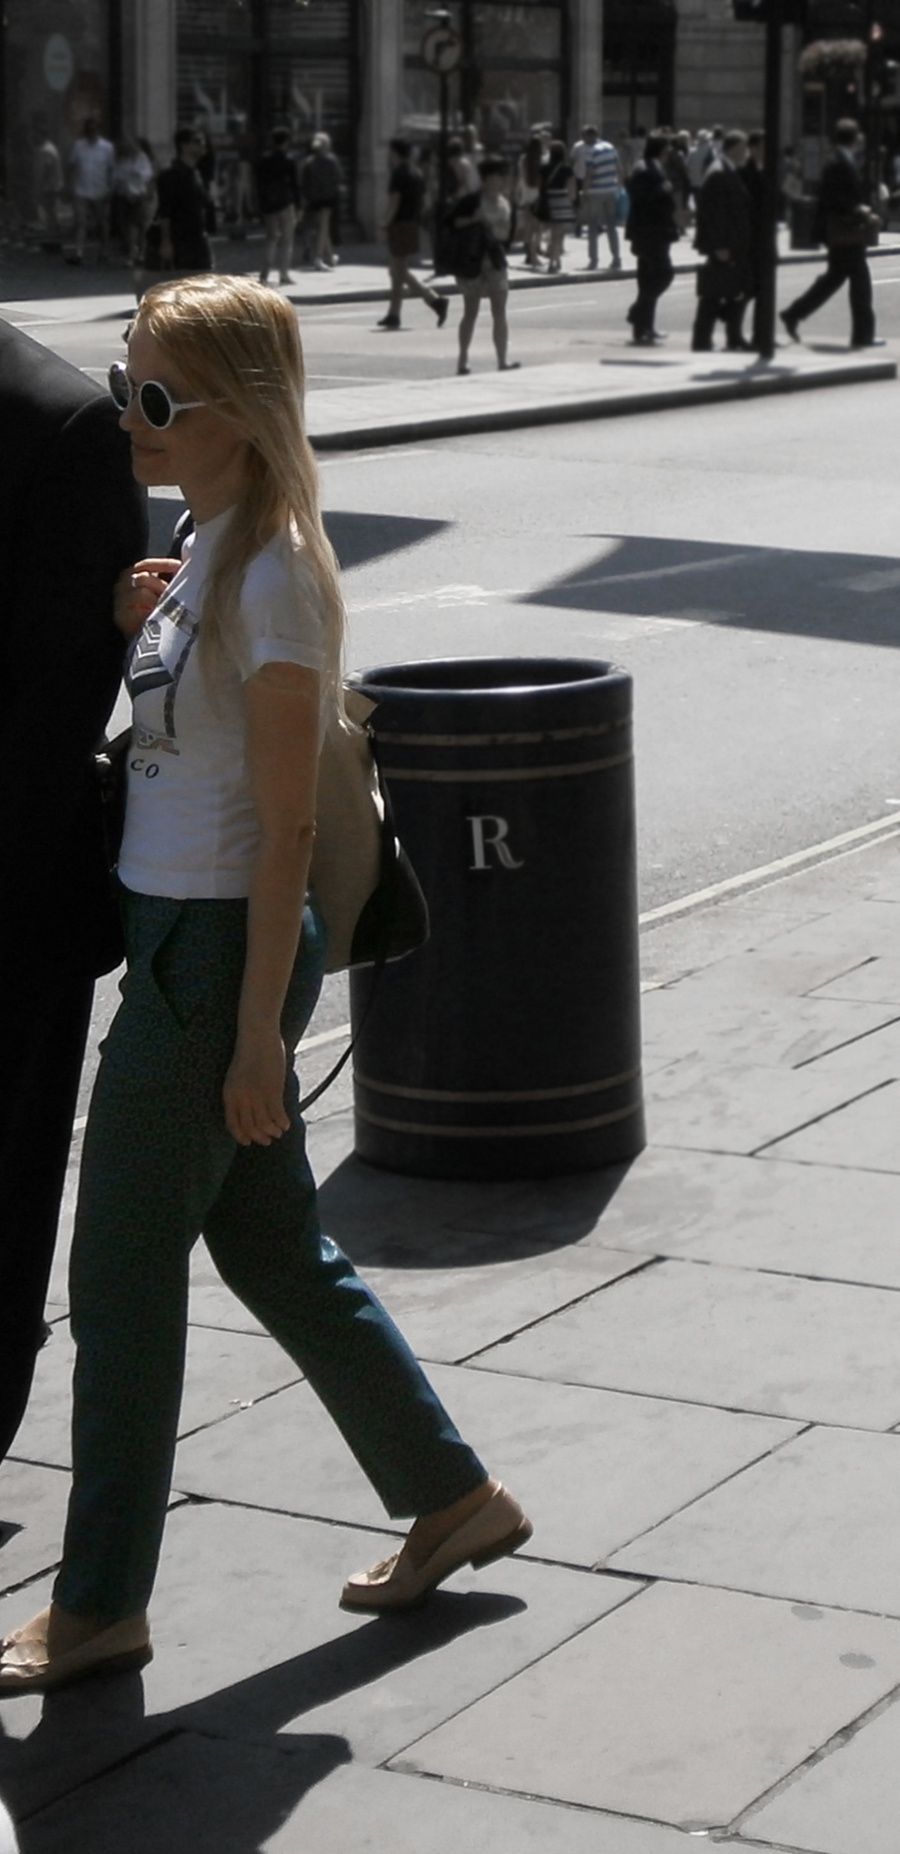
(652, 190)
(107, 200)
(648, 191)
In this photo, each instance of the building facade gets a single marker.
(357, 69)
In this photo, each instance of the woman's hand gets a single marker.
(137, 591)
(254, 1089)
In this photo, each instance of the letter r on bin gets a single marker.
(482, 841)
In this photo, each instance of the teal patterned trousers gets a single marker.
(160, 1168)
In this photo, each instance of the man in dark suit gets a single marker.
(842, 222)
(71, 517)
(724, 236)
(651, 229)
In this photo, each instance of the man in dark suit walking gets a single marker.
(71, 517)
(724, 237)
(842, 222)
(651, 229)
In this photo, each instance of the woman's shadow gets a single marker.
(217, 1776)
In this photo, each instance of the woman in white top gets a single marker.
(487, 274)
(194, 1122)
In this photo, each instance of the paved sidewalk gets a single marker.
(689, 1372)
(361, 275)
(402, 411)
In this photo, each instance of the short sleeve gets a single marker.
(281, 613)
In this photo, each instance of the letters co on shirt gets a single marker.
(509, 1046)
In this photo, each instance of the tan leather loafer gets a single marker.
(498, 1528)
(27, 1667)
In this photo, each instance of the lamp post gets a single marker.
(441, 52)
(769, 254)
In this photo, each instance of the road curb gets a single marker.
(566, 411)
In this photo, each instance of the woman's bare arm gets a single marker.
(282, 715)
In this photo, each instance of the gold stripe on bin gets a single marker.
(516, 1094)
(500, 740)
(478, 775)
(523, 1132)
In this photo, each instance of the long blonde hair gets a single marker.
(237, 346)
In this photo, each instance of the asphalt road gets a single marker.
(743, 561)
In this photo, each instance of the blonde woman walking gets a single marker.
(194, 1123)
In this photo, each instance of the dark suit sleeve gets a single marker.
(712, 222)
(79, 518)
(841, 197)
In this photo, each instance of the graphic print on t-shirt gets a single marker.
(157, 663)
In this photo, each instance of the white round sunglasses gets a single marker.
(157, 406)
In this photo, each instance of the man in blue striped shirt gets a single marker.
(596, 167)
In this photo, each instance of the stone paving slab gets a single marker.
(249, 1651)
(848, 1801)
(814, 1351)
(198, 1796)
(686, 1705)
(33, 1504)
(874, 980)
(715, 1107)
(861, 1135)
(817, 1521)
(764, 1213)
(783, 1033)
(225, 1371)
(857, 931)
(874, 1054)
(592, 1468)
(448, 1315)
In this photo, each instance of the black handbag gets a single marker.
(720, 281)
(110, 772)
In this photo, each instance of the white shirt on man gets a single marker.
(92, 167)
(596, 165)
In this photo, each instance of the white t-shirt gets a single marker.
(191, 829)
(92, 166)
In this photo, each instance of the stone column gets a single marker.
(382, 102)
(586, 66)
(149, 88)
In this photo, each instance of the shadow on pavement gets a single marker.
(358, 538)
(841, 596)
(220, 1775)
(385, 1220)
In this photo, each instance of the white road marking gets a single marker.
(325, 1036)
(667, 572)
(351, 379)
(885, 828)
(882, 580)
(439, 595)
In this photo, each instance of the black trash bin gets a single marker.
(509, 1046)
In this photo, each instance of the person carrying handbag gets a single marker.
(194, 1124)
(724, 237)
(844, 222)
(556, 206)
(480, 227)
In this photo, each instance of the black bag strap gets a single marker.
(342, 1061)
